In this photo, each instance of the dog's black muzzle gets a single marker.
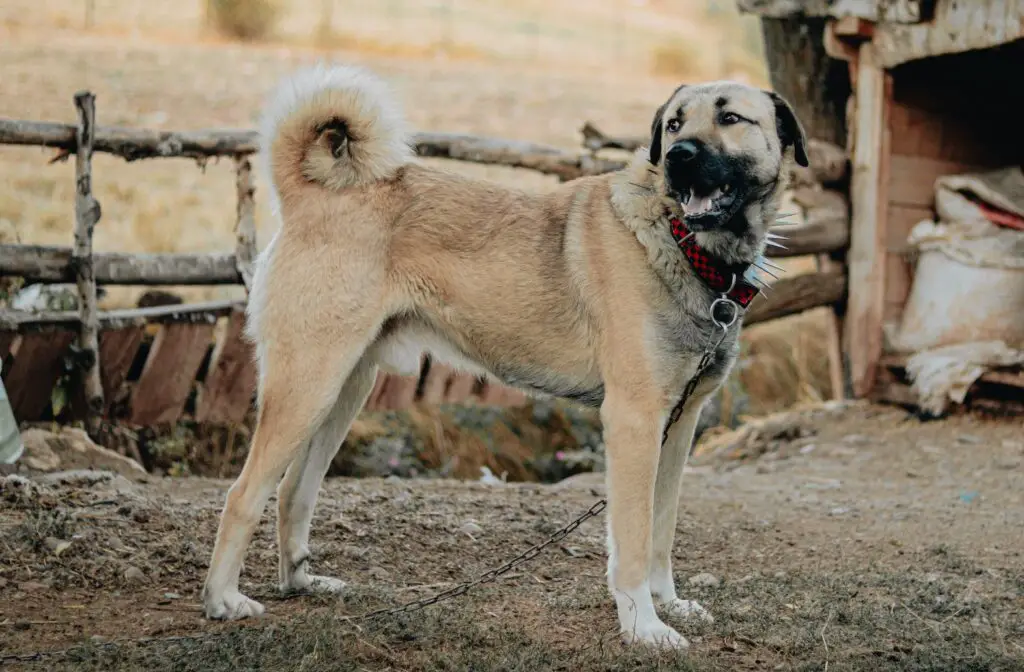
(707, 183)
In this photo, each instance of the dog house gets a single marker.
(925, 96)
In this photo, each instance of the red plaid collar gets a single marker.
(716, 274)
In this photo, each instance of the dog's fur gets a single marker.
(580, 293)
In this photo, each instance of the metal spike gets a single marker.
(775, 236)
(774, 244)
(761, 268)
(765, 260)
(765, 287)
(783, 215)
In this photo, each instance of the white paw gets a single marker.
(686, 609)
(656, 634)
(232, 607)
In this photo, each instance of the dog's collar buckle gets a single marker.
(725, 279)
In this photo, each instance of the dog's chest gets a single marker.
(685, 336)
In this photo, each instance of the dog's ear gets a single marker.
(654, 153)
(789, 128)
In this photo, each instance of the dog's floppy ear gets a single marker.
(654, 153)
(789, 128)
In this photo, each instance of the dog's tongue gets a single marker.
(700, 205)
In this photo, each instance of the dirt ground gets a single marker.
(868, 539)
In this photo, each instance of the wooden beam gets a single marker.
(38, 365)
(826, 225)
(87, 214)
(134, 144)
(193, 313)
(797, 294)
(829, 162)
(51, 264)
(245, 225)
(868, 199)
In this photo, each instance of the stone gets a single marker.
(704, 580)
(134, 574)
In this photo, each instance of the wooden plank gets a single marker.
(118, 348)
(436, 385)
(797, 294)
(833, 334)
(460, 388)
(205, 312)
(399, 393)
(869, 197)
(166, 380)
(230, 386)
(37, 365)
(956, 26)
(373, 400)
(47, 263)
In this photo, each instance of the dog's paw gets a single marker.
(686, 609)
(656, 634)
(314, 584)
(232, 607)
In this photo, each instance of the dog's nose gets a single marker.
(684, 150)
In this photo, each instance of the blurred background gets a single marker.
(520, 69)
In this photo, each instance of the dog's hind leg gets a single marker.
(297, 492)
(300, 385)
(674, 455)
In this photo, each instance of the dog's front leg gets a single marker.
(632, 431)
(674, 455)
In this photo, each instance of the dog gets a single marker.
(590, 292)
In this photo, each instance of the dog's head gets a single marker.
(722, 148)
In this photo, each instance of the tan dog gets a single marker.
(582, 293)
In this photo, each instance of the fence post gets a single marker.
(87, 213)
(245, 226)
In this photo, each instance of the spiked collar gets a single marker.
(729, 280)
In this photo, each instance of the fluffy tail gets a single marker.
(337, 126)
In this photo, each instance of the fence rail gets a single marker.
(151, 365)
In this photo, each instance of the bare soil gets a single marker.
(866, 540)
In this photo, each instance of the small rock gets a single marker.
(470, 529)
(56, 546)
(969, 439)
(32, 586)
(808, 449)
(354, 552)
(134, 574)
(856, 439)
(780, 575)
(97, 639)
(839, 511)
(379, 573)
(1008, 465)
(704, 580)
(932, 577)
(172, 596)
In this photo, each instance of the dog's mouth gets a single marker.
(706, 209)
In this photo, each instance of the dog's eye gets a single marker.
(673, 125)
(728, 119)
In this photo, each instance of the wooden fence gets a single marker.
(149, 366)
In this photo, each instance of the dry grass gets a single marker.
(245, 19)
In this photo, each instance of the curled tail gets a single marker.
(338, 126)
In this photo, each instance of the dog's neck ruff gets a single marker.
(723, 278)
